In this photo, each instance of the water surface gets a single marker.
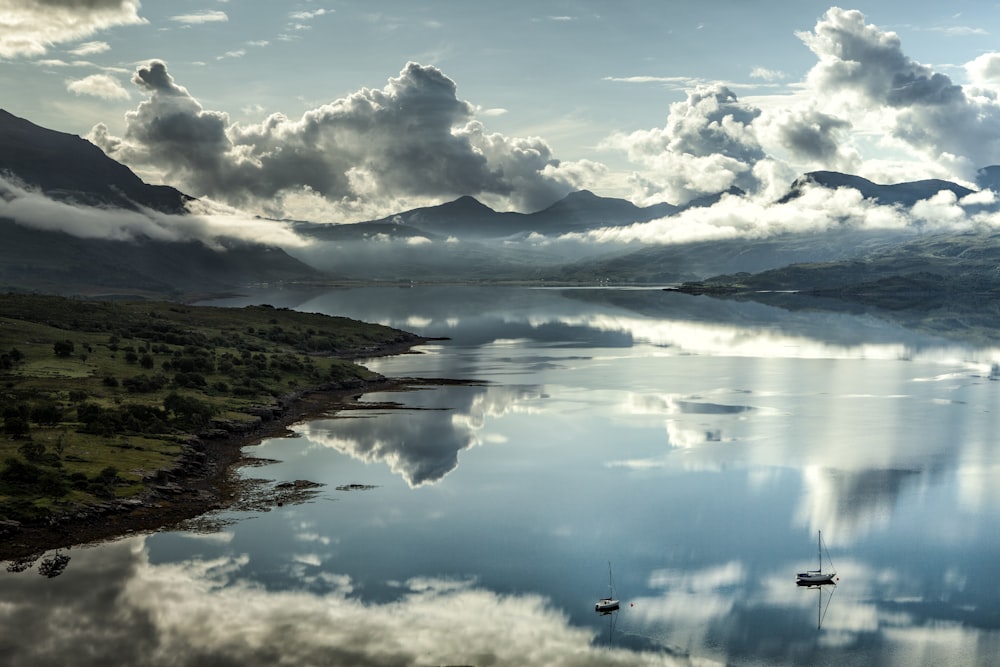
(696, 445)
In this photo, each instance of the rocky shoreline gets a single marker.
(203, 478)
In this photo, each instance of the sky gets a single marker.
(339, 111)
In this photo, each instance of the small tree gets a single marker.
(11, 359)
(15, 426)
(63, 348)
(103, 485)
(15, 420)
(46, 413)
(188, 411)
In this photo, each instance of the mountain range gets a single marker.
(469, 219)
(458, 240)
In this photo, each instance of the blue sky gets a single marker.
(516, 103)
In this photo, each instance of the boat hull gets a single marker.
(606, 604)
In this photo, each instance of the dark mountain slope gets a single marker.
(67, 168)
(58, 263)
(465, 217)
(583, 210)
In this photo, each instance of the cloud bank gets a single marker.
(376, 151)
(862, 68)
(708, 145)
(207, 222)
(415, 142)
(863, 93)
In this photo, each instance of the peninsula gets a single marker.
(124, 416)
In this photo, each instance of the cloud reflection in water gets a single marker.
(115, 607)
(422, 451)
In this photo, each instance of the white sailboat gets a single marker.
(610, 603)
(817, 576)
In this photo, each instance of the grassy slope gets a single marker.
(75, 432)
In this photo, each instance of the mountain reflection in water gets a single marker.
(698, 444)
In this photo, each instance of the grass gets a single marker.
(96, 397)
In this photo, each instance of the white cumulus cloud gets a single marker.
(371, 153)
(31, 28)
(99, 85)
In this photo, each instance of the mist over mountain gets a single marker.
(468, 218)
(75, 221)
(824, 216)
(906, 194)
(59, 263)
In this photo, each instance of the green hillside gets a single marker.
(100, 400)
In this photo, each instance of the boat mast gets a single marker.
(819, 549)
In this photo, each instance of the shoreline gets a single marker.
(205, 477)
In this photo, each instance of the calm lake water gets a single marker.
(696, 445)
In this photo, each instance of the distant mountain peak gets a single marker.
(581, 194)
(466, 203)
(585, 200)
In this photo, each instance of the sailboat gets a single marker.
(610, 603)
(817, 576)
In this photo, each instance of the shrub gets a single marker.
(15, 421)
(103, 485)
(47, 413)
(189, 380)
(98, 420)
(143, 384)
(11, 359)
(188, 411)
(63, 348)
